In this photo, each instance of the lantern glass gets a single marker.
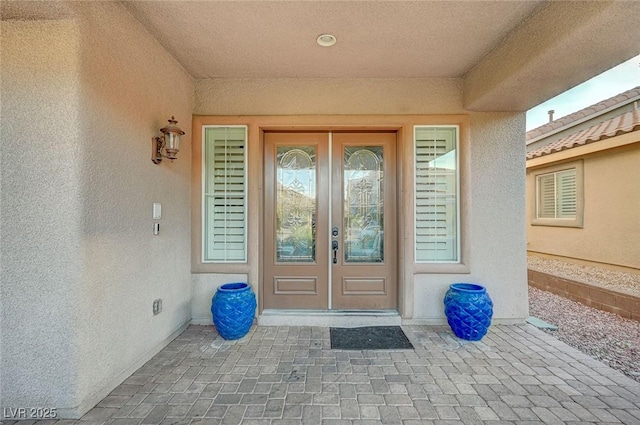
(172, 141)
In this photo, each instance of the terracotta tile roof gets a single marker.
(615, 126)
(589, 111)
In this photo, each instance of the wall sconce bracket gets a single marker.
(169, 142)
(156, 149)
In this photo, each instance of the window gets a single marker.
(224, 194)
(436, 194)
(558, 196)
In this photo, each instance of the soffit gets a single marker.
(510, 55)
(562, 45)
(276, 39)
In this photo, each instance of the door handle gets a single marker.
(334, 246)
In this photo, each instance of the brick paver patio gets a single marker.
(289, 375)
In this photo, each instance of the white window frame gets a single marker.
(458, 247)
(203, 194)
(559, 222)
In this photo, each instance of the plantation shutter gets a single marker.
(436, 195)
(567, 199)
(557, 195)
(546, 196)
(224, 194)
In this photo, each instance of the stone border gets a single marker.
(625, 305)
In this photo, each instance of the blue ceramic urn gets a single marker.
(469, 309)
(233, 308)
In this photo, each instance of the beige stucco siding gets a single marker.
(496, 232)
(41, 268)
(81, 100)
(130, 86)
(493, 237)
(611, 228)
(328, 96)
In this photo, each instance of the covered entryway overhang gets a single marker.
(509, 56)
(85, 85)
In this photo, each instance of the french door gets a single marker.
(330, 221)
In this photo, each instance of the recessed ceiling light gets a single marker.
(326, 40)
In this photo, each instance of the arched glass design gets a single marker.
(296, 204)
(363, 178)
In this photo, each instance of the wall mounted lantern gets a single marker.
(169, 142)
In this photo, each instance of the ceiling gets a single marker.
(376, 39)
(508, 55)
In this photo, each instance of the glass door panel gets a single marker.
(363, 194)
(363, 277)
(329, 221)
(296, 254)
(296, 204)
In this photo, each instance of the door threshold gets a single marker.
(330, 318)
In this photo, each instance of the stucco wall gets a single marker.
(611, 225)
(333, 96)
(552, 51)
(41, 267)
(130, 87)
(94, 265)
(204, 288)
(495, 213)
(496, 256)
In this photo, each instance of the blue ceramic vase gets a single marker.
(469, 309)
(233, 308)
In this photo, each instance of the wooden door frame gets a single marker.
(268, 270)
(398, 130)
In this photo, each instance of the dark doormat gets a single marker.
(369, 338)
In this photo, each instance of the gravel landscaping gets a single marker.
(607, 337)
(627, 282)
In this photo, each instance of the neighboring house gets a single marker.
(583, 119)
(406, 137)
(583, 191)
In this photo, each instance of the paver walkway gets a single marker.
(289, 375)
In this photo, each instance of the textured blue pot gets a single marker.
(469, 309)
(233, 308)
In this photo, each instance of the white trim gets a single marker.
(246, 199)
(458, 196)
